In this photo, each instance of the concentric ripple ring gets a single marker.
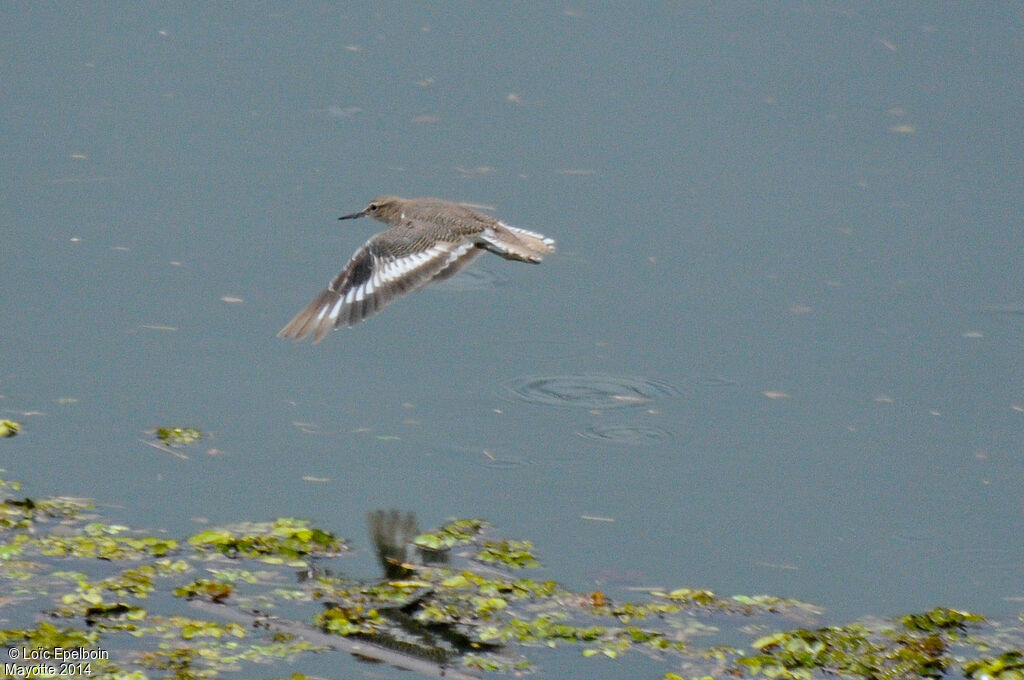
(626, 434)
(589, 391)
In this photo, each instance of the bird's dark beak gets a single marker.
(353, 215)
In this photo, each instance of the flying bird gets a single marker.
(428, 240)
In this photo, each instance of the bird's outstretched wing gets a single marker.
(389, 265)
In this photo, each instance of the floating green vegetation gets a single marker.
(26, 512)
(919, 647)
(1006, 666)
(350, 621)
(9, 428)
(178, 436)
(231, 600)
(510, 554)
(285, 539)
(511, 589)
(104, 541)
(457, 532)
(214, 591)
(941, 620)
(48, 636)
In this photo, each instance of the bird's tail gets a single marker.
(514, 243)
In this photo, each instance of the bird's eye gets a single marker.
(372, 207)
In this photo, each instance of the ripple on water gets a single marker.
(716, 381)
(589, 391)
(626, 434)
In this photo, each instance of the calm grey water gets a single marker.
(779, 349)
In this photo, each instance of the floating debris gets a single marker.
(178, 436)
(9, 428)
